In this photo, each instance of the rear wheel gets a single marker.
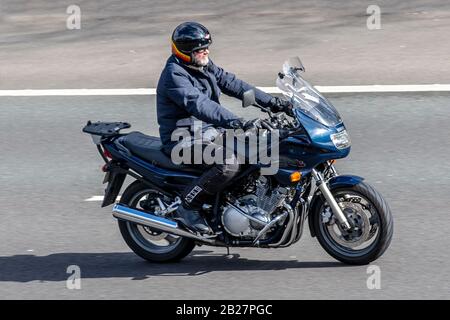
(372, 224)
(148, 243)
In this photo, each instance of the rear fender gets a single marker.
(115, 178)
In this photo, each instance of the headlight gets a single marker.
(341, 140)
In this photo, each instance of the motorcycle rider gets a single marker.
(188, 90)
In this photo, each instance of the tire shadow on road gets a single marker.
(55, 267)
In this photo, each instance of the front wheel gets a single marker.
(371, 220)
(150, 244)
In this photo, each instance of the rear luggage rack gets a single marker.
(105, 129)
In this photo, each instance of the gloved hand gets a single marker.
(245, 125)
(278, 105)
(250, 124)
(236, 124)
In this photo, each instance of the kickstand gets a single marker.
(228, 256)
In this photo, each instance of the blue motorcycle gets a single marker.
(350, 219)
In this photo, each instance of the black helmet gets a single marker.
(188, 37)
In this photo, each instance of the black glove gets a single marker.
(245, 125)
(250, 124)
(278, 105)
(235, 124)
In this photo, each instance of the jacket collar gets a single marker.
(201, 70)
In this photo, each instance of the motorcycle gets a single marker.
(351, 220)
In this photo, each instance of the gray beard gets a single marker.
(201, 63)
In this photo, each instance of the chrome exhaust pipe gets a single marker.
(288, 227)
(150, 220)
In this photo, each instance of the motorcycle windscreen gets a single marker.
(306, 98)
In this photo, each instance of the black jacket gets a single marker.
(188, 94)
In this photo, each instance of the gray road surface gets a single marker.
(48, 168)
(123, 44)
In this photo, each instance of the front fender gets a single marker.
(333, 183)
(344, 181)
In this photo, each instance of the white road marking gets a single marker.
(77, 92)
(152, 91)
(386, 88)
(374, 88)
(98, 198)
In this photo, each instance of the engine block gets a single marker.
(250, 213)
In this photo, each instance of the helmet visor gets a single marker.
(202, 44)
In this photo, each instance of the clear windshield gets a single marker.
(304, 96)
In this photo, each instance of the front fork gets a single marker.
(322, 185)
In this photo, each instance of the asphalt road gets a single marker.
(49, 167)
(124, 44)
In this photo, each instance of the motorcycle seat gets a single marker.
(149, 148)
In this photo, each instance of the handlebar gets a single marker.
(266, 125)
(277, 121)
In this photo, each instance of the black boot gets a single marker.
(200, 190)
(188, 213)
(192, 219)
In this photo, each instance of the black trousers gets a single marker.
(215, 177)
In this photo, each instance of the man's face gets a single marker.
(201, 57)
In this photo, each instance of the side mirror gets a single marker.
(248, 98)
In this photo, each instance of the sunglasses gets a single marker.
(201, 50)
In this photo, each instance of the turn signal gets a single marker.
(296, 176)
